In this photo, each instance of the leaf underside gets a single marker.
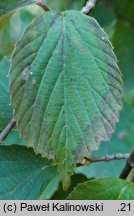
(65, 87)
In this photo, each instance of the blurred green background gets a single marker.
(116, 17)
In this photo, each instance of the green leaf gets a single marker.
(49, 190)
(103, 14)
(61, 5)
(60, 194)
(11, 5)
(4, 20)
(24, 175)
(13, 29)
(6, 38)
(104, 189)
(105, 17)
(5, 106)
(130, 177)
(65, 87)
(13, 137)
(123, 41)
(122, 141)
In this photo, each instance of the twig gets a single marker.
(106, 158)
(43, 6)
(128, 166)
(7, 130)
(89, 6)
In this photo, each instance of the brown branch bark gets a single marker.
(43, 6)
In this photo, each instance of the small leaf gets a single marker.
(24, 175)
(66, 88)
(11, 5)
(5, 106)
(4, 20)
(104, 189)
(12, 29)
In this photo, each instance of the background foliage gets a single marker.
(116, 17)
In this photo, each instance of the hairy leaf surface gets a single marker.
(65, 87)
(104, 189)
(24, 175)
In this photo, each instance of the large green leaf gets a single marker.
(10, 5)
(65, 87)
(23, 175)
(5, 106)
(122, 141)
(104, 189)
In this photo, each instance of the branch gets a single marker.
(7, 130)
(89, 6)
(106, 158)
(128, 166)
(43, 6)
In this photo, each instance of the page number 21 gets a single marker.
(125, 207)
